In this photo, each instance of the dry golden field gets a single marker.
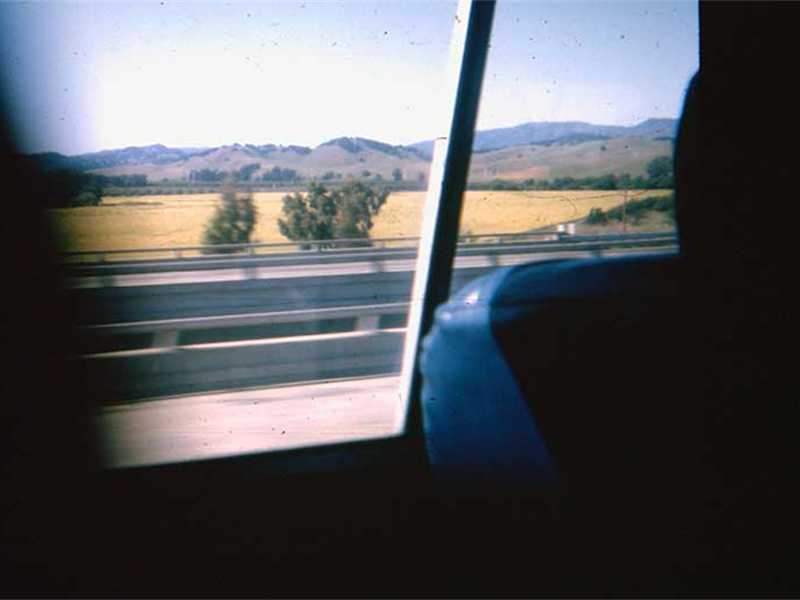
(125, 222)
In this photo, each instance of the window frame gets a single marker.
(431, 285)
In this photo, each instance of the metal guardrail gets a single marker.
(163, 370)
(167, 368)
(135, 376)
(303, 246)
(506, 243)
(166, 331)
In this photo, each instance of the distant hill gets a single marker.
(530, 150)
(356, 145)
(133, 155)
(590, 158)
(346, 156)
(560, 132)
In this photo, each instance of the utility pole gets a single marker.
(625, 210)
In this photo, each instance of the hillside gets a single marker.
(561, 132)
(530, 150)
(582, 159)
(347, 156)
(133, 155)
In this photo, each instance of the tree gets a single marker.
(207, 175)
(606, 182)
(597, 217)
(233, 220)
(659, 167)
(246, 172)
(309, 216)
(659, 172)
(397, 174)
(358, 204)
(63, 188)
(323, 214)
(279, 174)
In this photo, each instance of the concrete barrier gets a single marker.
(142, 374)
(144, 303)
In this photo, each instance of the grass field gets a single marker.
(126, 222)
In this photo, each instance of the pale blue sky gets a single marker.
(88, 76)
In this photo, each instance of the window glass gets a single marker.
(576, 129)
(236, 190)
(201, 165)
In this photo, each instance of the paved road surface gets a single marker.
(246, 421)
(155, 296)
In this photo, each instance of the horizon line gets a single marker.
(409, 145)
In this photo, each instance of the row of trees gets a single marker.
(318, 214)
(634, 211)
(123, 181)
(207, 175)
(243, 174)
(66, 188)
(659, 177)
(248, 173)
(347, 212)
(397, 176)
(281, 175)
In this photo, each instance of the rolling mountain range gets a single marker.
(538, 150)
(561, 132)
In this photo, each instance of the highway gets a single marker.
(181, 294)
(332, 262)
(162, 333)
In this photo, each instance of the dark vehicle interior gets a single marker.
(688, 489)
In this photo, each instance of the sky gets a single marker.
(86, 76)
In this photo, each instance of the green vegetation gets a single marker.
(279, 174)
(634, 211)
(246, 172)
(659, 177)
(232, 222)
(324, 214)
(659, 172)
(65, 188)
(207, 175)
(141, 221)
(597, 217)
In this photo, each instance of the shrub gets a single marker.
(597, 217)
(636, 210)
(233, 221)
(323, 214)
